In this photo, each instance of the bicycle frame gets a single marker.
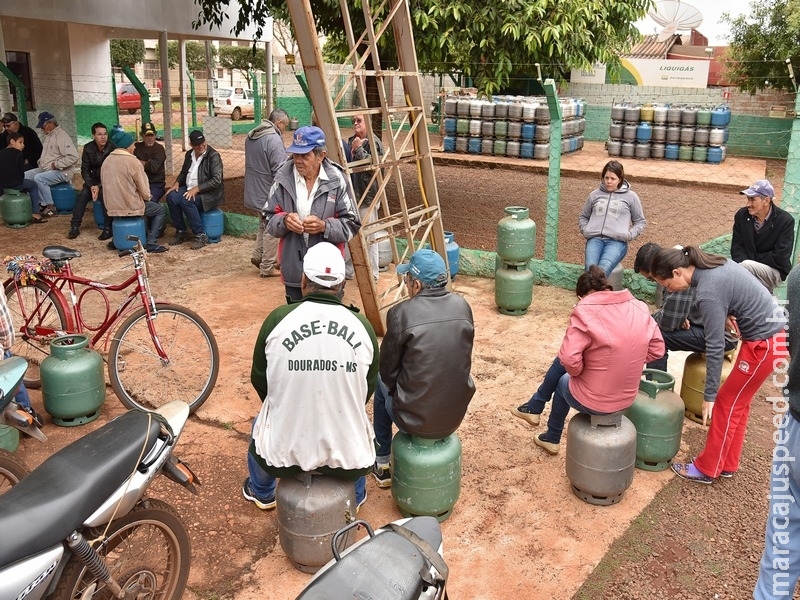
(65, 282)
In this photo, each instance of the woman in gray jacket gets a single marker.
(611, 217)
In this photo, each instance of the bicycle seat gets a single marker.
(60, 253)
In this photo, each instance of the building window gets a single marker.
(19, 63)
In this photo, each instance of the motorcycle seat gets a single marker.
(57, 497)
(386, 566)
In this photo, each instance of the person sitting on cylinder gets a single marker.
(599, 365)
(611, 217)
(680, 322)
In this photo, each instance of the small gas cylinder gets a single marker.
(16, 208)
(516, 236)
(214, 224)
(513, 289)
(122, 227)
(453, 252)
(64, 197)
(694, 383)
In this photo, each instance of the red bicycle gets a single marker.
(158, 352)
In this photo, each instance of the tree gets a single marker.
(243, 59)
(195, 55)
(761, 42)
(126, 53)
(486, 40)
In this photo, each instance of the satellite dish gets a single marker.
(674, 16)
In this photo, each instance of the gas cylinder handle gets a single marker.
(658, 380)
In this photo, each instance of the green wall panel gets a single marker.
(87, 115)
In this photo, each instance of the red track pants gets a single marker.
(754, 363)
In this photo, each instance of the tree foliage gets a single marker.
(243, 59)
(760, 43)
(195, 55)
(487, 40)
(126, 53)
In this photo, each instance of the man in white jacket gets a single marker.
(58, 163)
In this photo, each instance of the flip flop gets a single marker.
(38, 221)
(682, 471)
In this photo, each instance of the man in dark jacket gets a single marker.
(198, 189)
(33, 145)
(763, 236)
(94, 153)
(426, 355)
(309, 203)
(153, 157)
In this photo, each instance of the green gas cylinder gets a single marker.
(657, 413)
(513, 289)
(516, 236)
(694, 383)
(9, 438)
(73, 384)
(16, 208)
(426, 475)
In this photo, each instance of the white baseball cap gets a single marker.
(324, 265)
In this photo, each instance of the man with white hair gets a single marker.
(315, 365)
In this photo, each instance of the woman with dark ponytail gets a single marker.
(725, 290)
(610, 337)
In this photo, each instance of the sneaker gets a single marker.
(727, 474)
(549, 447)
(271, 273)
(179, 238)
(248, 494)
(73, 232)
(523, 412)
(156, 248)
(106, 235)
(255, 262)
(683, 471)
(110, 245)
(363, 500)
(47, 211)
(200, 240)
(382, 475)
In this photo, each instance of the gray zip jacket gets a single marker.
(264, 153)
(610, 214)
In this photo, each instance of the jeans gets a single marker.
(180, 206)
(545, 392)
(692, 339)
(156, 191)
(80, 207)
(605, 253)
(154, 214)
(44, 179)
(782, 538)
(563, 400)
(21, 396)
(382, 421)
(262, 484)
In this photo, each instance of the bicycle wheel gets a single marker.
(147, 552)
(139, 377)
(12, 470)
(23, 301)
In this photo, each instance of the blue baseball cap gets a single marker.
(306, 139)
(762, 187)
(44, 117)
(426, 266)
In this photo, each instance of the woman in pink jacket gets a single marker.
(609, 338)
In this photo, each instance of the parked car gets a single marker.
(128, 98)
(236, 102)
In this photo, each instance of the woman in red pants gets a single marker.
(725, 289)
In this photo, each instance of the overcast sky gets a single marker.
(712, 11)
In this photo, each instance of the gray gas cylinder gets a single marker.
(601, 457)
(311, 508)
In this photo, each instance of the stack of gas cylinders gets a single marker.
(669, 131)
(513, 126)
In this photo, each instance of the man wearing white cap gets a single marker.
(308, 204)
(315, 365)
(763, 236)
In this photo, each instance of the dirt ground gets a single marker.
(517, 530)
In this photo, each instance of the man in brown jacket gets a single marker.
(126, 190)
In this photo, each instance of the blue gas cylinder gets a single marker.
(97, 211)
(122, 227)
(671, 151)
(526, 150)
(450, 126)
(214, 224)
(474, 145)
(644, 132)
(449, 143)
(720, 116)
(527, 133)
(63, 198)
(715, 155)
(453, 252)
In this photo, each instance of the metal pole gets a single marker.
(166, 97)
(268, 79)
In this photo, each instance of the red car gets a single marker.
(128, 98)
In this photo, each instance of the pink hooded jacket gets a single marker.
(610, 337)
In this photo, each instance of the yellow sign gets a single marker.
(289, 59)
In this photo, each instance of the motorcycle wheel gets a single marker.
(12, 470)
(147, 552)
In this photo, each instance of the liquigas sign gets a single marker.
(649, 72)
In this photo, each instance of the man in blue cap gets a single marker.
(57, 164)
(309, 203)
(426, 355)
(763, 236)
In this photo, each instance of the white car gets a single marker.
(236, 102)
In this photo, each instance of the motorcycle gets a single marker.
(80, 527)
(402, 560)
(11, 468)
